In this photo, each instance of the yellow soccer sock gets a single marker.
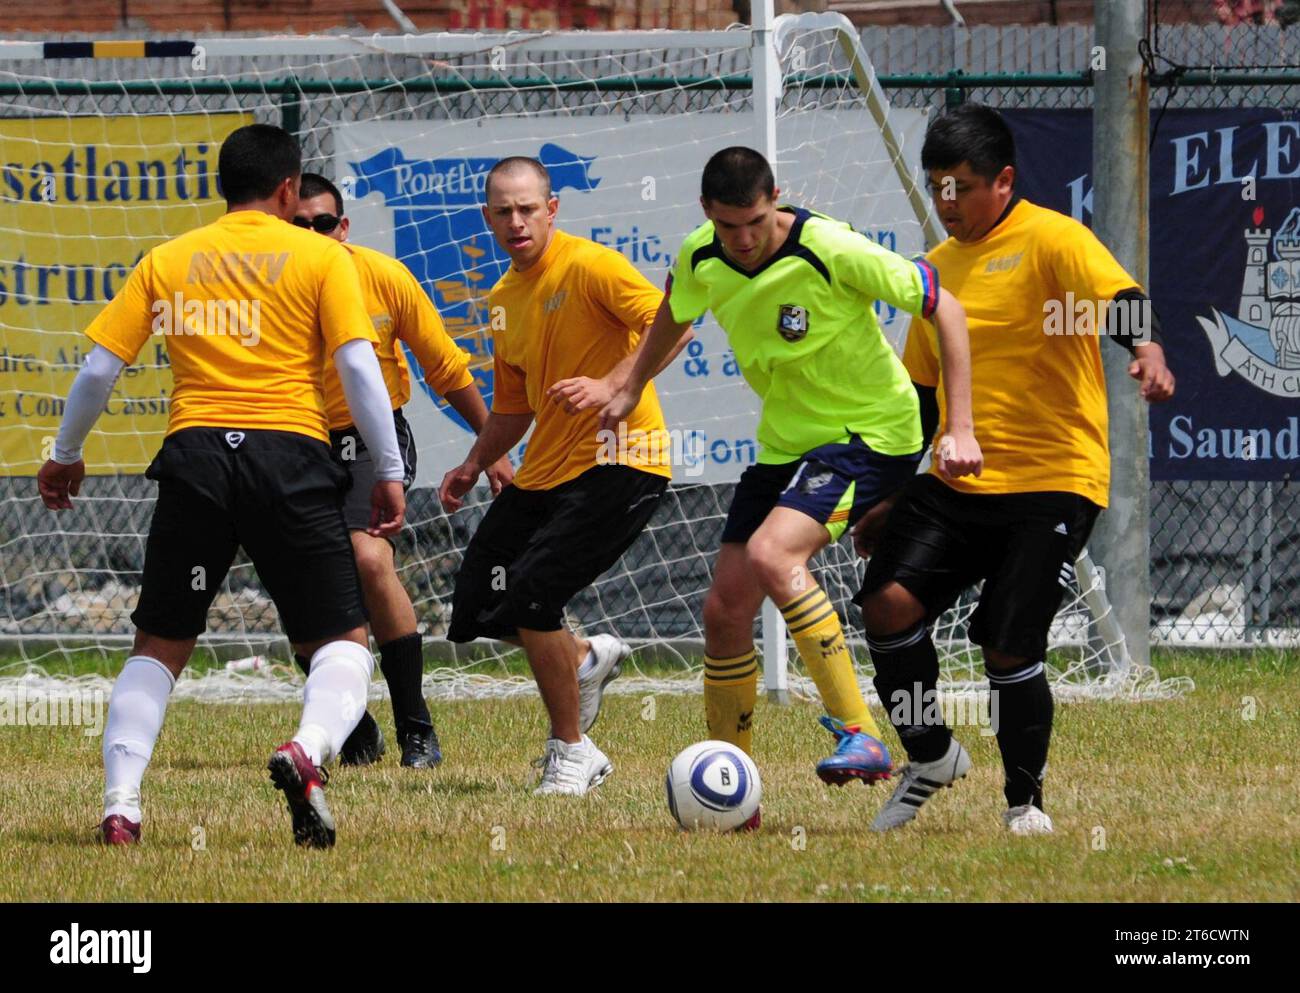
(730, 689)
(817, 633)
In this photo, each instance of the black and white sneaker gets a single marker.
(917, 783)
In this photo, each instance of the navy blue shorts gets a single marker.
(833, 484)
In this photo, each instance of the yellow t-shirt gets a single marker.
(250, 307)
(1038, 398)
(400, 311)
(579, 310)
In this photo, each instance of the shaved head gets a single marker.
(514, 166)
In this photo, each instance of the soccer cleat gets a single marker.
(753, 824)
(571, 770)
(304, 787)
(365, 745)
(420, 748)
(1026, 820)
(917, 783)
(117, 830)
(609, 654)
(857, 755)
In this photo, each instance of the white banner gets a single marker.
(414, 190)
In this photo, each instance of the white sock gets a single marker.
(588, 663)
(334, 698)
(135, 718)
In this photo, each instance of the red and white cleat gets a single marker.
(304, 787)
(117, 830)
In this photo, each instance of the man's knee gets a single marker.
(374, 560)
(890, 609)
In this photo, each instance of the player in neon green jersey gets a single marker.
(840, 429)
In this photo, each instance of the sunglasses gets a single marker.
(321, 223)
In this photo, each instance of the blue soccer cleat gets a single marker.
(857, 756)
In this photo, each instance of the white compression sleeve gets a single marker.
(370, 405)
(86, 400)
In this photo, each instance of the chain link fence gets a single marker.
(1225, 556)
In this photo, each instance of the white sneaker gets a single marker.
(571, 770)
(609, 654)
(917, 783)
(1026, 820)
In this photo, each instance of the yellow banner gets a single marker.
(81, 200)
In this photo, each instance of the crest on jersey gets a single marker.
(793, 322)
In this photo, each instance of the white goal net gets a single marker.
(104, 158)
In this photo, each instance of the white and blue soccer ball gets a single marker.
(713, 785)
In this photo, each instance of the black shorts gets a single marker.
(833, 484)
(349, 449)
(536, 549)
(939, 541)
(276, 494)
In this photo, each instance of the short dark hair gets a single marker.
(738, 177)
(515, 163)
(313, 184)
(970, 133)
(256, 159)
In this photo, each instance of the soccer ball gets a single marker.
(713, 785)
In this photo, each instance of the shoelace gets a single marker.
(837, 728)
(559, 770)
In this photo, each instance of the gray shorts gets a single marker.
(351, 451)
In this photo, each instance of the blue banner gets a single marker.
(1224, 279)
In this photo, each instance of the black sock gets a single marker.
(304, 663)
(402, 663)
(1023, 721)
(907, 677)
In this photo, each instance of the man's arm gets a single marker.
(1131, 321)
(959, 453)
(60, 478)
(468, 402)
(372, 412)
(659, 346)
(500, 434)
(583, 392)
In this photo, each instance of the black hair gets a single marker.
(313, 184)
(969, 133)
(737, 177)
(514, 163)
(255, 160)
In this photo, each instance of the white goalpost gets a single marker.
(110, 156)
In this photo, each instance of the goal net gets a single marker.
(111, 154)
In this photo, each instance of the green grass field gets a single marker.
(1187, 800)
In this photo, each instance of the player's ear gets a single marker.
(552, 206)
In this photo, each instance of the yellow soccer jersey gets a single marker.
(577, 311)
(400, 311)
(250, 308)
(1039, 398)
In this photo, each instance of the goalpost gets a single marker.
(108, 157)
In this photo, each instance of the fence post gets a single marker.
(1120, 143)
(766, 71)
(291, 107)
